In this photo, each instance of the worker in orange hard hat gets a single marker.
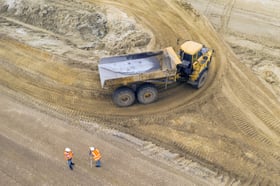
(96, 156)
(68, 155)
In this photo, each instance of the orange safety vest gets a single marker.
(68, 155)
(96, 154)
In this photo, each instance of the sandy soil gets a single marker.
(230, 126)
(32, 145)
(252, 32)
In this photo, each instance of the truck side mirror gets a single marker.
(178, 41)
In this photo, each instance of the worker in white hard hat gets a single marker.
(68, 155)
(95, 155)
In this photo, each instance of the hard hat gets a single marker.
(67, 149)
(91, 148)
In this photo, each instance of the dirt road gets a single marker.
(251, 31)
(32, 145)
(231, 125)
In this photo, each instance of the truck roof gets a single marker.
(191, 47)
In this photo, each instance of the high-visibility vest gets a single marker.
(68, 155)
(96, 154)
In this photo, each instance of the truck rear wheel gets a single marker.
(202, 79)
(123, 96)
(147, 93)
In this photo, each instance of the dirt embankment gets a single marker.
(90, 27)
(227, 125)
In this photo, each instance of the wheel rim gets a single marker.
(147, 94)
(148, 97)
(124, 96)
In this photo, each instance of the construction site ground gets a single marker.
(226, 133)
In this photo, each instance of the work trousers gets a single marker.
(70, 164)
(98, 163)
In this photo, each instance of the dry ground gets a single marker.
(231, 125)
(252, 32)
(32, 145)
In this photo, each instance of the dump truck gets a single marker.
(137, 76)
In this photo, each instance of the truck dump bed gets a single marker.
(141, 67)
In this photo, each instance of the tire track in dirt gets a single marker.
(257, 131)
(151, 109)
(226, 15)
(251, 103)
(25, 139)
(56, 76)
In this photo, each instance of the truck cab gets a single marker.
(190, 51)
(195, 59)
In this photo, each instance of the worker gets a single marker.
(68, 155)
(96, 156)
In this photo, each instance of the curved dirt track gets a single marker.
(79, 85)
(231, 124)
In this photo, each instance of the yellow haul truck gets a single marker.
(135, 76)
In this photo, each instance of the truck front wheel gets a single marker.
(147, 93)
(123, 96)
(202, 79)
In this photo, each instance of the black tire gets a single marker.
(123, 96)
(147, 93)
(209, 63)
(202, 79)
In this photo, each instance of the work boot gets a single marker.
(98, 163)
(71, 168)
(72, 163)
